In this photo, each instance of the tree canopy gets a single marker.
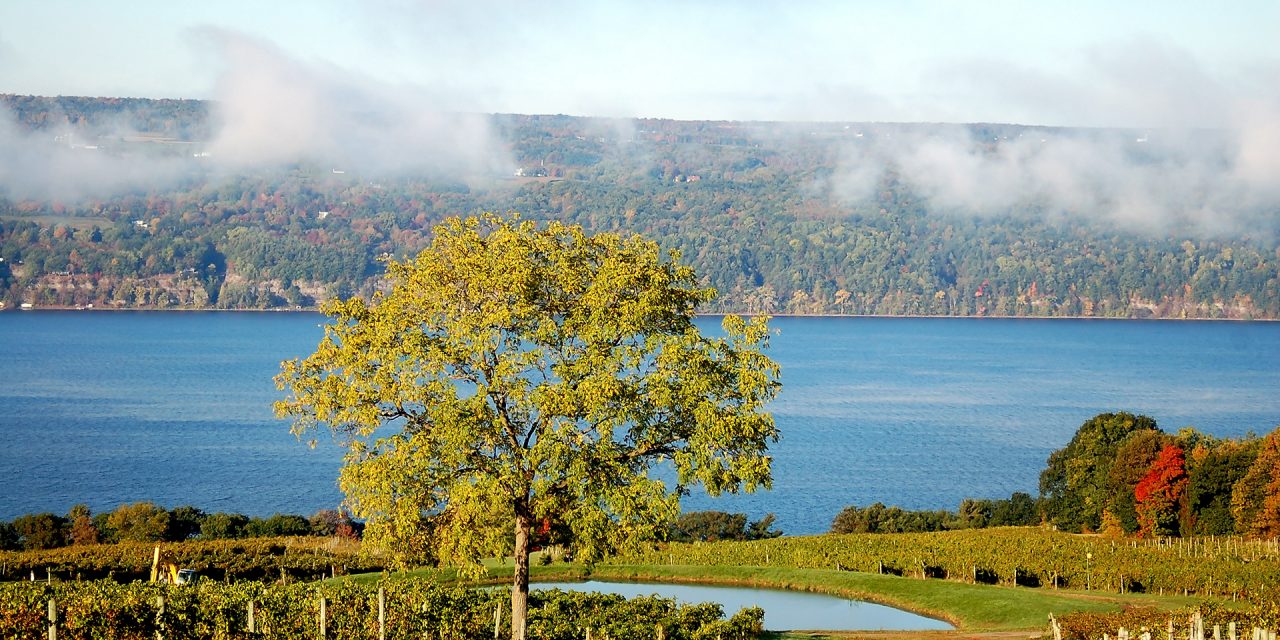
(1074, 483)
(514, 374)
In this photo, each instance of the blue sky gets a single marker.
(1065, 63)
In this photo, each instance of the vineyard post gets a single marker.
(1217, 632)
(1088, 567)
(382, 613)
(53, 619)
(253, 627)
(322, 617)
(1231, 631)
(48, 575)
(497, 621)
(159, 617)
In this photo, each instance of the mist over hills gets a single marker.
(278, 203)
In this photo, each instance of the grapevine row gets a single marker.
(412, 609)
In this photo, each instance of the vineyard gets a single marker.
(1197, 623)
(389, 609)
(1222, 567)
(297, 558)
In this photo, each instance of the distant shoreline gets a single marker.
(701, 315)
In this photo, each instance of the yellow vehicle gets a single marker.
(168, 572)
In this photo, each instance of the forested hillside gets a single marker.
(778, 217)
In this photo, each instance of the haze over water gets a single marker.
(105, 408)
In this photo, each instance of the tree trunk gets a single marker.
(520, 590)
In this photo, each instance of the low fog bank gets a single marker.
(268, 111)
(1201, 180)
(1209, 167)
(273, 109)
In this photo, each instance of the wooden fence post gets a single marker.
(159, 617)
(323, 618)
(53, 619)
(1231, 631)
(497, 620)
(382, 614)
(253, 627)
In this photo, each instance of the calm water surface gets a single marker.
(105, 408)
(783, 610)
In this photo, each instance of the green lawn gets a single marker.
(969, 607)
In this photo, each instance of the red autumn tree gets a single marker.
(1159, 493)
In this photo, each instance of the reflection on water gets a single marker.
(783, 610)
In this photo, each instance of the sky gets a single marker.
(402, 87)
(1080, 63)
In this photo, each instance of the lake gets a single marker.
(783, 610)
(104, 408)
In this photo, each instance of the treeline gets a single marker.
(713, 526)
(96, 118)
(752, 206)
(149, 522)
(1019, 510)
(1119, 476)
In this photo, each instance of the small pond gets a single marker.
(783, 610)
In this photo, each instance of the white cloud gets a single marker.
(271, 108)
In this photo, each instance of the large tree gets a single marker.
(1212, 481)
(513, 374)
(1073, 486)
(1255, 499)
(1158, 496)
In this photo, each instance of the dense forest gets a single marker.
(763, 211)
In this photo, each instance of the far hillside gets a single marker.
(126, 203)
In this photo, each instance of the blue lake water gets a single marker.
(105, 408)
(783, 610)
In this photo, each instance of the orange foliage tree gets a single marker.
(1159, 493)
(1255, 499)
